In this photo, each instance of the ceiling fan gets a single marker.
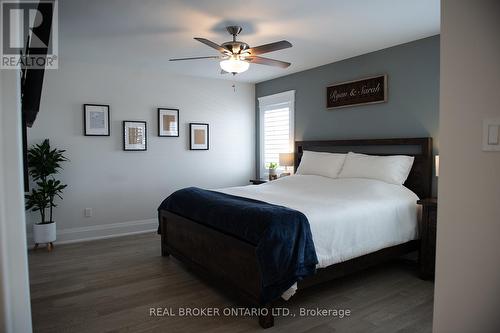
(236, 56)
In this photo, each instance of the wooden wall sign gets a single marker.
(364, 91)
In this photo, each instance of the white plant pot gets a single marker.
(272, 172)
(44, 233)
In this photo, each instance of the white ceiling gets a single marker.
(146, 33)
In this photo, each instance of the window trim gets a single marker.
(283, 99)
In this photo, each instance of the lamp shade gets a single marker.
(437, 165)
(286, 159)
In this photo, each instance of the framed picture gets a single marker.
(168, 122)
(96, 120)
(135, 135)
(198, 139)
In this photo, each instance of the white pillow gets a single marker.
(320, 164)
(390, 169)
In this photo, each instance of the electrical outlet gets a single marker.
(88, 212)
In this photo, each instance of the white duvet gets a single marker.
(349, 217)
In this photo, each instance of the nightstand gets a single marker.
(428, 237)
(258, 181)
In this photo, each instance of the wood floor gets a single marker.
(110, 286)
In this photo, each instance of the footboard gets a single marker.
(222, 258)
(232, 263)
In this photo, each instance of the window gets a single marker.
(276, 114)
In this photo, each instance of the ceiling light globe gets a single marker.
(234, 65)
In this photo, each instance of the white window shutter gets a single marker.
(276, 133)
(276, 127)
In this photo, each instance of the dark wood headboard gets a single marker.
(420, 178)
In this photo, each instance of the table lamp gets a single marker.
(286, 160)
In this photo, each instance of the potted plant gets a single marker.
(44, 163)
(272, 166)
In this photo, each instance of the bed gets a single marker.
(373, 222)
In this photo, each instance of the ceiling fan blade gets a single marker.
(194, 58)
(268, 62)
(213, 45)
(270, 47)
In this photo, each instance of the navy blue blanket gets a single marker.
(283, 240)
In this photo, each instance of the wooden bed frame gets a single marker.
(232, 263)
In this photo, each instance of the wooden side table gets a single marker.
(428, 229)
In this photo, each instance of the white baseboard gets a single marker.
(82, 234)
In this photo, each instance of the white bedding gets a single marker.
(349, 217)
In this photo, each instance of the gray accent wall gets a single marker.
(412, 109)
